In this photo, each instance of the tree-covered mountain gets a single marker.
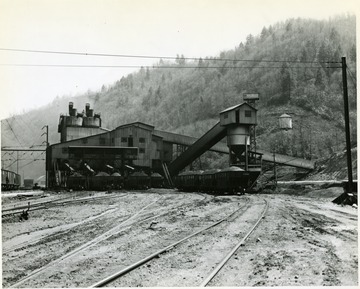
(293, 65)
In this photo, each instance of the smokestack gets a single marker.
(72, 111)
(87, 108)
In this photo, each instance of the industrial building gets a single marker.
(87, 149)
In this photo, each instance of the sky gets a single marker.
(194, 28)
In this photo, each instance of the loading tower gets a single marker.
(239, 120)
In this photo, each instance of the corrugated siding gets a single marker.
(247, 120)
(227, 118)
(59, 151)
(151, 147)
(73, 133)
(147, 148)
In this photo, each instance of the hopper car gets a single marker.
(9, 180)
(229, 180)
(105, 181)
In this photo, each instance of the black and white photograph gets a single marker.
(178, 143)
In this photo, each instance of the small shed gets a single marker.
(239, 114)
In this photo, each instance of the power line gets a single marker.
(29, 163)
(158, 67)
(29, 130)
(11, 164)
(12, 155)
(13, 132)
(353, 78)
(154, 57)
(21, 159)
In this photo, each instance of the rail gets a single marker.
(139, 263)
(79, 249)
(232, 252)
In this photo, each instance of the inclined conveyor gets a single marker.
(211, 141)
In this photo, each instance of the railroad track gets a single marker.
(55, 203)
(139, 217)
(142, 216)
(35, 240)
(79, 249)
(234, 249)
(114, 277)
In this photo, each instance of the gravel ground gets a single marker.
(303, 240)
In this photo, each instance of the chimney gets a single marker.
(87, 108)
(72, 111)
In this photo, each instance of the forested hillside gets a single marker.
(293, 65)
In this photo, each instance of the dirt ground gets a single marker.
(304, 239)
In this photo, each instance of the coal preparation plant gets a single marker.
(136, 155)
(89, 156)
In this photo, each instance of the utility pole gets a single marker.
(46, 160)
(47, 134)
(347, 125)
(275, 176)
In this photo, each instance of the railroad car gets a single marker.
(232, 180)
(188, 181)
(76, 181)
(157, 180)
(116, 181)
(9, 180)
(229, 180)
(104, 181)
(138, 180)
(100, 181)
(208, 180)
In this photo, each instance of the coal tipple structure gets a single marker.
(137, 155)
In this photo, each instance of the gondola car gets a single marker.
(138, 180)
(157, 180)
(116, 181)
(232, 180)
(76, 181)
(101, 181)
(188, 181)
(208, 181)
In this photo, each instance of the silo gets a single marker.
(238, 138)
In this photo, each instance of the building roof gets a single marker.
(137, 124)
(237, 106)
(285, 115)
(81, 138)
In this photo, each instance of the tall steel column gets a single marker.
(347, 125)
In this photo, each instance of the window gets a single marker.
(247, 113)
(102, 141)
(130, 141)
(141, 150)
(226, 116)
(123, 139)
(112, 140)
(141, 140)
